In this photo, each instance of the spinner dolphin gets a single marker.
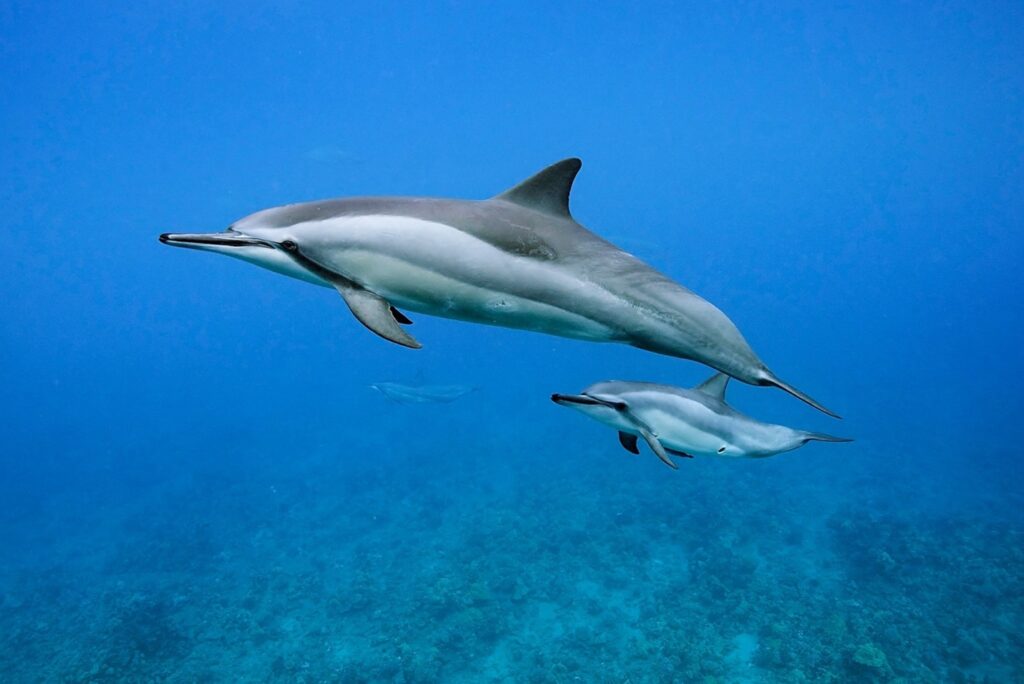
(685, 422)
(517, 260)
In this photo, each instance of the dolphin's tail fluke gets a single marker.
(822, 437)
(770, 379)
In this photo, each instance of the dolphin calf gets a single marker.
(517, 260)
(684, 422)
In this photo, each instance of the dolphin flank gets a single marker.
(517, 260)
(685, 422)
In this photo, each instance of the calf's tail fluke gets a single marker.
(774, 381)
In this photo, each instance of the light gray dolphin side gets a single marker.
(684, 422)
(517, 260)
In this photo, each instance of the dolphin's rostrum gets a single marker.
(517, 260)
(684, 422)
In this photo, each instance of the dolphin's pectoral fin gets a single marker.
(375, 313)
(658, 450)
(400, 317)
(676, 452)
(628, 442)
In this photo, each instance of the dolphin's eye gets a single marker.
(721, 449)
(289, 245)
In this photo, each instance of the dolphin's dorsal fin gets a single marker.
(548, 190)
(714, 386)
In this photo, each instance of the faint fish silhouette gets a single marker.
(422, 394)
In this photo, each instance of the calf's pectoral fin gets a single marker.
(628, 442)
(376, 314)
(656, 447)
(676, 452)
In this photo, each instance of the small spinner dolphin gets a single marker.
(517, 260)
(684, 422)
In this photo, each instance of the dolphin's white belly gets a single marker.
(436, 269)
(683, 435)
(690, 426)
(413, 287)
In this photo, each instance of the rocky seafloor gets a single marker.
(322, 560)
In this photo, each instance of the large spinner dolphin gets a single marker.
(517, 260)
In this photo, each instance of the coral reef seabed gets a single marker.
(594, 566)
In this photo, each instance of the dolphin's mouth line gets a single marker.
(583, 400)
(232, 238)
(321, 271)
(226, 239)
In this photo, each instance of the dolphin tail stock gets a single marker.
(771, 379)
(822, 437)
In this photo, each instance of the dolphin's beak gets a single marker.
(569, 399)
(212, 241)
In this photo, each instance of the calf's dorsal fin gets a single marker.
(714, 386)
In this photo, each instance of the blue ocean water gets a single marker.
(197, 482)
